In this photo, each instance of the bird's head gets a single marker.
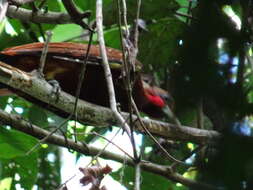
(158, 100)
(154, 98)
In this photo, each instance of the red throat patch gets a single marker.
(156, 100)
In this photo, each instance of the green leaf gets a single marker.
(25, 167)
(49, 176)
(3, 101)
(86, 5)
(65, 32)
(91, 5)
(27, 170)
(52, 5)
(2, 26)
(112, 38)
(14, 143)
(9, 151)
(9, 41)
(159, 46)
(38, 116)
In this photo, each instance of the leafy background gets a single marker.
(158, 51)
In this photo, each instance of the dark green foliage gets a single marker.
(199, 75)
(232, 166)
(14, 145)
(49, 176)
(162, 53)
(41, 166)
(149, 10)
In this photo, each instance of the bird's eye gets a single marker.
(146, 80)
(167, 98)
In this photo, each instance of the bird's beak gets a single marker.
(168, 112)
(171, 116)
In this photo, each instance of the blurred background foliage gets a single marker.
(197, 56)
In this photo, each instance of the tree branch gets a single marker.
(20, 2)
(19, 124)
(49, 17)
(92, 114)
(3, 9)
(108, 76)
(76, 15)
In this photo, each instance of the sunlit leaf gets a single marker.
(5, 184)
(65, 32)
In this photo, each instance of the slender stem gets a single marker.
(3, 9)
(44, 52)
(170, 157)
(108, 74)
(80, 81)
(137, 181)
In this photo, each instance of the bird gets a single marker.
(63, 64)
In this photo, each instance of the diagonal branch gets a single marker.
(92, 114)
(19, 124)
(49, 17)
(75, 14)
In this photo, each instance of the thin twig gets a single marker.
(31, 33)
(136, 31)
(185, 15)
(41, 31)
(65, 183)
(200, 114)
(189, 7)
(44, 53)
(125, 43)
(111, 142)
(196, 150)
(48, 136)
(132, 59)
(108, 76)
(107, 71)
(80, 81)
(242, 48)
(19, 124)
(103, 149)
(170, 157)
(121, 174)
(76, 15)
(42, 64)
